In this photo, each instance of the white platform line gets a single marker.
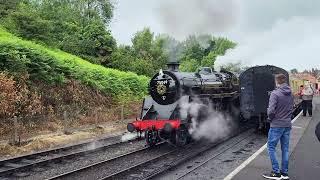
(252, 157)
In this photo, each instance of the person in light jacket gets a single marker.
(279, 115)
(307, 96)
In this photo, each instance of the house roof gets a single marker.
(305, 76)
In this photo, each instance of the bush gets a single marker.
(54, 66)
(8, 95)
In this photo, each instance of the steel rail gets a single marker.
(25, 162)
(146, 172)
(68, 175)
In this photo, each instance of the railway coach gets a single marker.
(256, 85)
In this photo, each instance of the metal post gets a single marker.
(64, 121)
(122, 112)
(15, 126)
(96, 119)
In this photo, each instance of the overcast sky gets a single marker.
(285, 33)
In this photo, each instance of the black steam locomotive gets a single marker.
(161, 115)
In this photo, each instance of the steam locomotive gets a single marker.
(162, 116)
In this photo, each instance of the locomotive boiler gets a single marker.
(162, 117)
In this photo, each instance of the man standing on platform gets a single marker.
(279, 115)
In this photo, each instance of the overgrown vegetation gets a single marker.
(30, 66)
(75, 26)
(54, 66)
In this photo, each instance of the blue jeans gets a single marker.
(274, 135)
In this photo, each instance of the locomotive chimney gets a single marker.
(173, 66)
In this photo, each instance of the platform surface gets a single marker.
(304, 152)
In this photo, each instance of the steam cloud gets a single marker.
(128, 137)
(289, 44)
(283, 33)
(213, 127)
(181, 18)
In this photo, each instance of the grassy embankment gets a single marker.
(46, 81)
(55, 66)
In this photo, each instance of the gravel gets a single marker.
(224, 158)
(66, 165)
(110, 167)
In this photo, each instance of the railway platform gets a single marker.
(304, 153)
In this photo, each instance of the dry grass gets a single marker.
(48, 141)
(47, 133)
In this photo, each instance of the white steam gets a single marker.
(282, 33)
(289, 44)
(128, 137)
(181, 18)
(214, 126)
(93, 145)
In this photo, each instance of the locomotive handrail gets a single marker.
(206, 80)
(193, 79)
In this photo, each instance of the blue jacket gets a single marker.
(280, 107)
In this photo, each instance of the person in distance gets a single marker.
(307, 96)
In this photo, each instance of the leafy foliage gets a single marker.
(78, 27)
(198, 51)
(144, 57)
(236, 67)
(55, 66)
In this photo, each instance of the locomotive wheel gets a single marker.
(182, 137)
(152, 138)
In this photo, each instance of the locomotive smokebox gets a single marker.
(173, 66)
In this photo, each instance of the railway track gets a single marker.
(163, 163)
(21, 166)
(104, 168)
(160, 160)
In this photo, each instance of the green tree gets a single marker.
(75, 26)
(143, 67)
(237, 67)
(98, 43)
(123, 58)
(192, 50)
(148, 49)
(204, 49)
(189, 66)
(27, 23)
(208, 61)
(7, 6)
(142, 43)
(222, 45)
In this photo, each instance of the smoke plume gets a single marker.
(128, 137)
(288, 44)
(282, 33)
(181, 18)
(207, 123)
